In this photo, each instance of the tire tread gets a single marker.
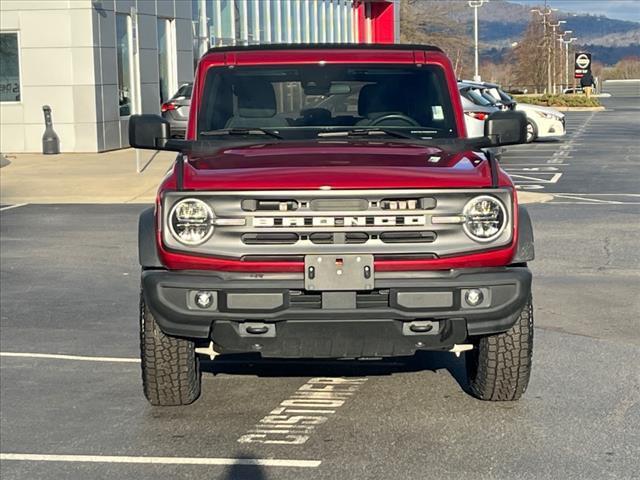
(170, 370)
(501, 367)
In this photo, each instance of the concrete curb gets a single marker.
(579, 109)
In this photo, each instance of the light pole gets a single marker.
(475, 4)
(564, 43)
(545, 12)
(553, 64)
(566, 57)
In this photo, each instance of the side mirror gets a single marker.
(507, 127)
(148, 132)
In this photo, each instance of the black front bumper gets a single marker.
(273, 314)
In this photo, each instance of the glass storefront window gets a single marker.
(123, 54)
(9, 68)
(227, 22)
(276, 21)
(265, 21)
(242, 22)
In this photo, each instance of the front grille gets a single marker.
(292, 224)
(408, 237)
(270, 238)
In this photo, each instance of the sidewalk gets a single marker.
(108, 177)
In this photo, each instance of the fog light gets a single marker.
(204, 299)
(474, 297)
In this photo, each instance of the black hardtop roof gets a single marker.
(324, 46)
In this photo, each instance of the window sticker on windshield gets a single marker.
(437, 112)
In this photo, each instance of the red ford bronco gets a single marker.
(327, 203)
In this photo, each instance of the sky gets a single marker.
(619, 9)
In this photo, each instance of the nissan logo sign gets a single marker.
(583, 61)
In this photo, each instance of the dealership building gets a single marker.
(96, 62)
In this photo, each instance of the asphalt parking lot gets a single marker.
(69, 293)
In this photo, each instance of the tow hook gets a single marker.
(207, 351)
(458, 349)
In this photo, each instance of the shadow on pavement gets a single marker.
(243, 472)
(253, 364)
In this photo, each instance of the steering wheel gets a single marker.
(395, 116)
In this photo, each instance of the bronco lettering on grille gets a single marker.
(359, 221)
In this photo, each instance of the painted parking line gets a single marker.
(255, 462)
(10, 207)
(596, 198)
(82, 358)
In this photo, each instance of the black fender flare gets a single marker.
(525, 251)
(147, 248)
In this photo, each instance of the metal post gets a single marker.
(475, 36)
(546, 39)
(553, 41)
(546, 11)
(566, 63)
(203, 37)
(553, 63)
(50, 140)
(475, 4)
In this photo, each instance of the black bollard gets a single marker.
(50, 140)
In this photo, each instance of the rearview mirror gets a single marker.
(506, 128)
(339, 89)
(150, 132)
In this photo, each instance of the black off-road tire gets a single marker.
(499, 366)
(170, 369)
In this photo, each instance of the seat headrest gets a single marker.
(366, 99)
(375, 99)
(256, 98)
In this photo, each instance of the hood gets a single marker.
(540, 108)
(335, 165)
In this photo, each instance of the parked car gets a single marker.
(542, 122)
(374, 231)
(480, 94)
(500, 95)
(476, 109)
(476, 114)
(176, 110)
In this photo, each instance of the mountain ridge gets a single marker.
(501, 23)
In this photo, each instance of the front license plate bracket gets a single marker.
(338, 272)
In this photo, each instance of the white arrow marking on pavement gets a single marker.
(527, 179)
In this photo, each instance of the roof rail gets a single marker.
(324, 46)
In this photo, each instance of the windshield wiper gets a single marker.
(366, 132)
(240, 131)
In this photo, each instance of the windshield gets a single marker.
(184, 91)
(307, 101)
(494, 93)
(490, 98)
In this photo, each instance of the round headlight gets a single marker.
(191, 221)
(486, 218)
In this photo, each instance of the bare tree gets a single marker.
(529, 57)
(429, 22)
